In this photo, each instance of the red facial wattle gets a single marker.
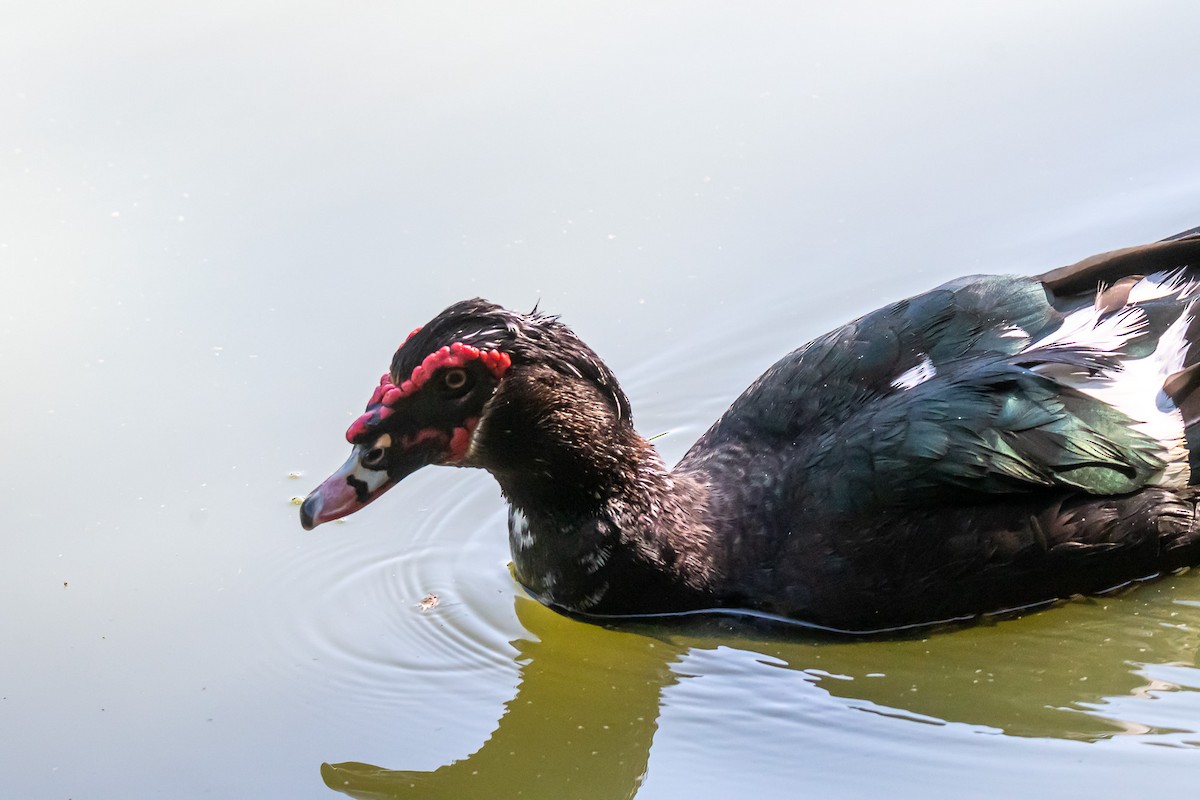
(460, 440)
(410, 446)
(387, 394)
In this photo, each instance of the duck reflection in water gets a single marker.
(588, 703)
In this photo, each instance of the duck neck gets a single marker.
(597, 524)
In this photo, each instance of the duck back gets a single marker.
(995, 443)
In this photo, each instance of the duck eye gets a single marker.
(455, 380)
(374, 458)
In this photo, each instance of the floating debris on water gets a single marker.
(428, 602)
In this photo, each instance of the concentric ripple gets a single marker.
(402, 599)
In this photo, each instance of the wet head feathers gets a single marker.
(527, 339)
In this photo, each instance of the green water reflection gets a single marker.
(588, 704)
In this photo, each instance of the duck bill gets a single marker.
(344, 492)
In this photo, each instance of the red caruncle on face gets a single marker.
(387, 394)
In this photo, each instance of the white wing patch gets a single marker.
(1088, 327)
(1014, 332)
(915, 375)
(1161, 284)
(1136, 388)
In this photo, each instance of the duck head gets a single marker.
(433, 404)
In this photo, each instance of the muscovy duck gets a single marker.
(989, 446)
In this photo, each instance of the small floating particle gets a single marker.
(428, 601)
(297, 501)
(295, 474)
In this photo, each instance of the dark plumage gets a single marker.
(991, 445)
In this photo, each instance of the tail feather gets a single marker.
(1181, 250)
(1140, 304)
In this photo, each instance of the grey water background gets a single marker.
(217, 221)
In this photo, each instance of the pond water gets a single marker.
(217, 221)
